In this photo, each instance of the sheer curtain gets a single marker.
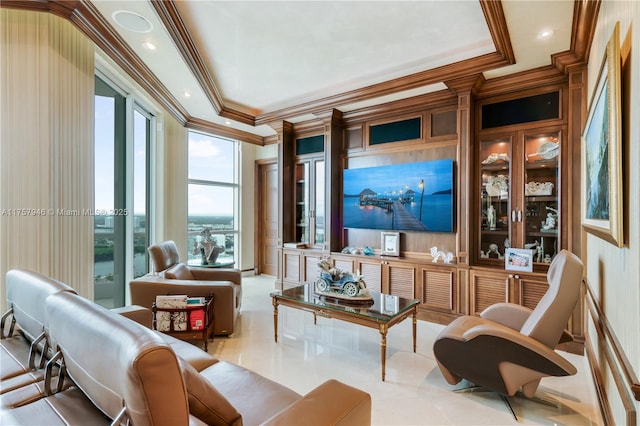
(46, 149)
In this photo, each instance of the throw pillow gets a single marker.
(179, 271)
(205, 402)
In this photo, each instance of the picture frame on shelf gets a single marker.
(390, 243)
(518, 260)
(602, 194)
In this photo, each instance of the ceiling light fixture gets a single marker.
(186, 94)
(545, 34)
(227, 122)
(148, 45)
(132, 21)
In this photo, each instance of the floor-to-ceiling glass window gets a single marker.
(141, 194)
(213, 200)
(122, 139)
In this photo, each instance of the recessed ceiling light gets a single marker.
(545, 34)
(149, 45)
(132, 21)
(227, 122)
(187, 94)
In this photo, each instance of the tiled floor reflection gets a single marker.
(414, 392)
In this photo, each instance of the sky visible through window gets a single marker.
(211, 159)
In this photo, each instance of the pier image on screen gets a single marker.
(404, 197)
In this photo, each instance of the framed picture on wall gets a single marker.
(602, 194)
(390, 244)
(518, 260)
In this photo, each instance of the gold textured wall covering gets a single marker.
(46, 149)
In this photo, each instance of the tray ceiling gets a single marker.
(264, 58)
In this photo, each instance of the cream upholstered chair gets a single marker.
(510, 347)
(170, 276)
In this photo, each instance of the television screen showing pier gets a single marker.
(404, 197)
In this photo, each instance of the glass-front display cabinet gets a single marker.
(310, 193)
(519, 187)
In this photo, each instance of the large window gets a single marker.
(213, 200)
(122, 140)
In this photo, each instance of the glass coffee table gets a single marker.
(382, 312)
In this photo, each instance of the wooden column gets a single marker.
(286, 177)
(465, 88)
(334, 137)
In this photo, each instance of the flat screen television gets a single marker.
(404, 197)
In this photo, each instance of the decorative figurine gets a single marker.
(493, 252)
(435, 254)
(491, 218)
(340, 283)
(206, 246)
(551, 220)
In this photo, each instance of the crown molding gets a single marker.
(177, 29)
(424, 78)
(224, 131)
(497, 23)
(537, 77)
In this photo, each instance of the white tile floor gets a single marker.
(414, 393)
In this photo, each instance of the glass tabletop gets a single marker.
(382, 307)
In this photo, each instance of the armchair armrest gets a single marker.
(508, 314)
(221, 274)
(139, 314)
(332, 403)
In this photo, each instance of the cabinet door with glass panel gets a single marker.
(519, 184)
(310, 201)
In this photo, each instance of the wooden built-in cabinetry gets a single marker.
(519, 193)
(514, 155)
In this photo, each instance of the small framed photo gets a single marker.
(518, 260)
(390, 244)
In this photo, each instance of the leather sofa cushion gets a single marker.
(192, 354)
(253, 395)
(205, 402)
(179, 271)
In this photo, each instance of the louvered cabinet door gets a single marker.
(400, 278)
(530, 291)
(487, 288)
(371, 272)
(438, 289)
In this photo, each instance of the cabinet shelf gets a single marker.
(541, 198)
(494, 167)
(553, 234)
(542, 164)
(496, 232)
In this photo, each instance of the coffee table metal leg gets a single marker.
(275, 320)
(383, 349)
(415, 323)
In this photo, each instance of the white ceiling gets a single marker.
(268, 55)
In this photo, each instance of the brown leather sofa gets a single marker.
(66, 360)
(170, 276)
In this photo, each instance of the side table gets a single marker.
(190, 334)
